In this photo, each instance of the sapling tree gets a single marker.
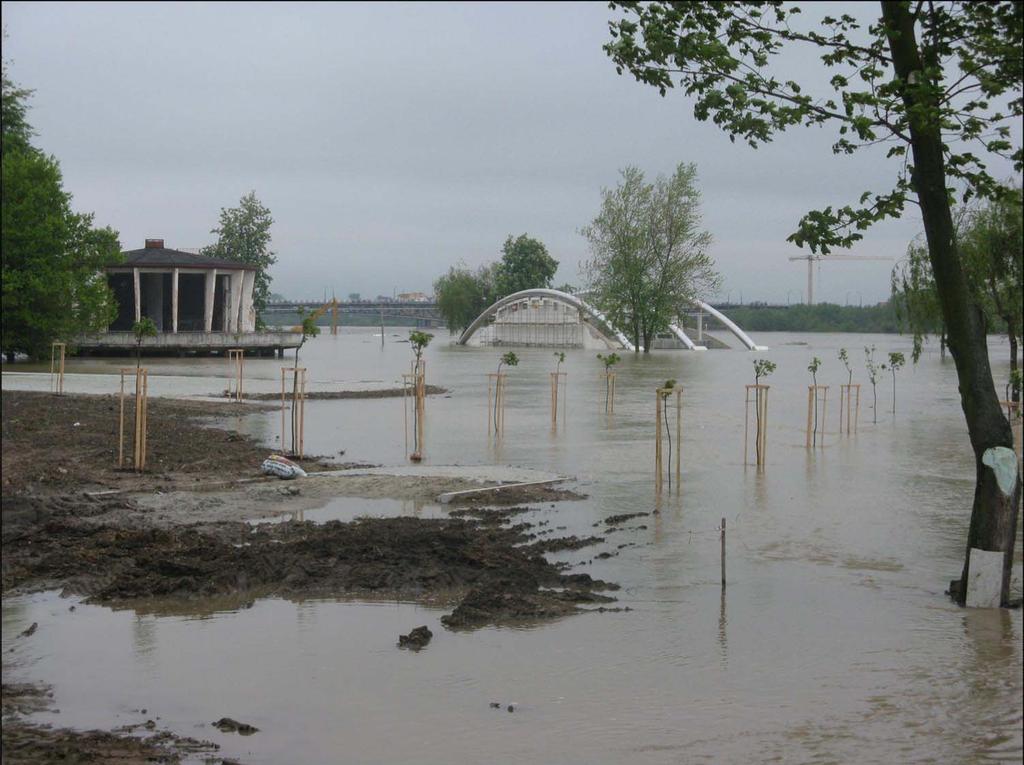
(762, 368)
(845, 358)
(309, 329)
(609, 361)
(665, 391)
(560, 357)
(813, 368)
(418, 341)
(896, 362)
(143, 328)
(873, 370)
(509, 360)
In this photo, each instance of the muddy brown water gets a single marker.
(832, 642)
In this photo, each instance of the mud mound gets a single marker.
(413, 558)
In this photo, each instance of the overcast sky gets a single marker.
(391, 141)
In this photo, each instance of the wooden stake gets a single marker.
(816, 403)
(57, 368)
(496, 415)
(559, 383)
(120, 426)
(298, 411)
(760, 402)
(236, 367)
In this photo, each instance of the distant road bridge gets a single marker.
(420, 314)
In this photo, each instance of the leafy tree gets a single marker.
(52, 258)
(650, 257)
(762, 368)
(15, 132)
(873, 369)
(993, 251)
(462, 295)
(933, 80)
(244, 235)
(915, 298)
(143, 328)
(896, 362)
(813, 368)
(609, 361)
(418, 341)
(845, 358)
(508, 359)
(525, 264)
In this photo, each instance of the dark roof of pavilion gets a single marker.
(163, 257)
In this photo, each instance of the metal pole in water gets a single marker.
(723, 552)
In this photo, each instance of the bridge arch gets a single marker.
(596, 319)
(588, 313)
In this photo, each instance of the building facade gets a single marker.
(182, 291)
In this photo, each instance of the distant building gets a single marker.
(182, 291)
(413, 297)
(353, 297)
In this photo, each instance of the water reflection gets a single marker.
(833, 642)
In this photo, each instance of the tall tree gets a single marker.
(463, 295)
(14, 128)
(914, 298)
(52, 258)
(525, 264)
(993, 249)
(933, 80)
(244, 235)
(650, 256)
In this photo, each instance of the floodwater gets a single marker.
(832, 642)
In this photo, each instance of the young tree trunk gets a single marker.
(994, 513)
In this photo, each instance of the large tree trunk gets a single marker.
(994, 513)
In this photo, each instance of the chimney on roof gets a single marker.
(154, 244)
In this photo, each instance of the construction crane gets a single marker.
(332, 306)
(811, 258)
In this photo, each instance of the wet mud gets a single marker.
(334, 395)
(498, 573)
(56, 444)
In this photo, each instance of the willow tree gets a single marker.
(939, 83)
(649, 254)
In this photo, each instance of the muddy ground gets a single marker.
(322, 395)
(155, 538)
(59, 444)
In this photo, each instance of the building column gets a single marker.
(211, 283)
(138, 294)
(174, 301)
(248, 312)
(237, 316)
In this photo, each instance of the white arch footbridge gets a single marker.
(591, 316)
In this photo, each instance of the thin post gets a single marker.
(657, 440)
(856, 410)
(57, 368)
(824, 414)
(764, 427)
(283, 448)
(679, 434)
(382, 328)
(405, 410)
(723, 552)
(490, 412)
(120, 427)
(811, 393)
(613, 394)
(746, 422)
(145, 418)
